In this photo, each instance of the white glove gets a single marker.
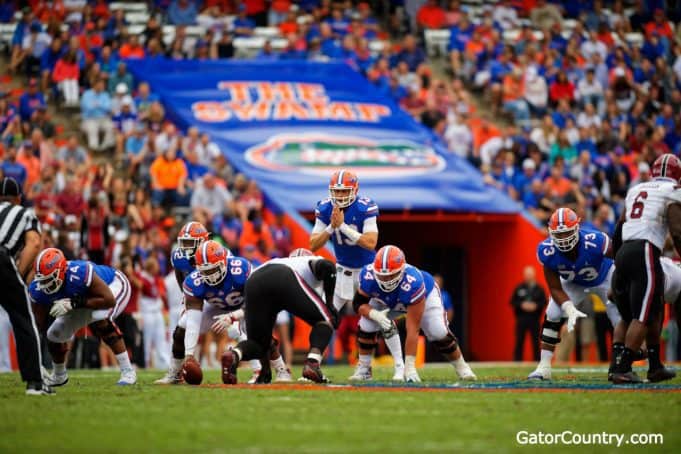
(572, 313)
(381, 317)
(224, 322)
(234, 331)
(410, 374)
(61, 307)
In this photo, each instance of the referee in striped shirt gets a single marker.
(19, 246)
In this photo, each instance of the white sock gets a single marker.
(458, 362)
(175, 365)
(124, 361)
(315, 356)
(278, 364)
(393, 343)
(59, 369)
(255, 364)
(546, 356)
(365, 360)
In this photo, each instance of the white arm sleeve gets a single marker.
(370, 225)
(192, 331)
(319, 226)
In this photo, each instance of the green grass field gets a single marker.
(92, 414)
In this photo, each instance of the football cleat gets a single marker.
(56, 379)
(363, 373)
(312, 372)
(540, 373)
(172, 377)
(36, 388)
(230, 363)
(283, 375)
(660, 374)
(466, 373)
(399, 373)
(128, 377)
(623, 378)
(254, 378)
(264, 377)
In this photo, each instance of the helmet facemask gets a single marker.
(213, 273)
(565, 239)
(388, 281)
(48, 283)
(189, 245)
(342, 196)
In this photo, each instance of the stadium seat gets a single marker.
(139, 7)
(635, 39)
(135, 17)
(437, 42)
(6, 33)
(266, 32)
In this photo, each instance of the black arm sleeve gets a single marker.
(617, 238)
(358, 300)
(325, 271)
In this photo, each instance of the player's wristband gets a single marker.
(78, 301)
(351, 233)
(329, 229)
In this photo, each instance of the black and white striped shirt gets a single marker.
(15, 220)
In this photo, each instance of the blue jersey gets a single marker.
(347, 253)
(415, 284)
(77, 281)
(181, 263)
(228, 294)
(591, 267)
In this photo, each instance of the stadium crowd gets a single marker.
(588, 109)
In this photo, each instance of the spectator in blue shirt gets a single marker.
(266, 53)
(411, 53)
(136, 150)
(22, 30)
(49, 59)
(11, 168)
(243, 25)
(445, 296)
(30, 101)
(182, 12)
(95, 108)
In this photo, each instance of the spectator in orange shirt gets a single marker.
(168, 177)
(31, 163)
(557, 186)
(278, 12)
(431, 15)
(289, 24)
(513, 95)
(659, 24)
(132, 49)
(257, 233)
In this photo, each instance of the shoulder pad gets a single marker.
(545, 251)
(193, 285)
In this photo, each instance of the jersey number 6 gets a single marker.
(637, 207)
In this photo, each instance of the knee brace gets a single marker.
(107, 331)
(178, 343)
(550, 332)
(365, 340)
(321, 335)
(447, 344)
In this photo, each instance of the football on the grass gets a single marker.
(191, 372)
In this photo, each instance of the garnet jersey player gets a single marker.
(349, 221)
(577, 263)
(652, 210)
(302, 284)
(391, 286)
(80, 294)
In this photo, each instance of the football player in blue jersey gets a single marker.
(577, 263)
(390, 287)
(189, 238)
(349, 221)
(81, 294)
(214, 297)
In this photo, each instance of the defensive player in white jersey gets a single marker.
(349, 221)
(302, 285)
(652, 210)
